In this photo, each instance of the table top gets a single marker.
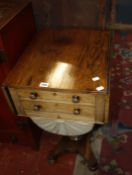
(64, 59)
(9, 9)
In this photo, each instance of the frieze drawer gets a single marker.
(56, 96)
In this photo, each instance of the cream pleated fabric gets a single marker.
(63, 127)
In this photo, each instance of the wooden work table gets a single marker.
(55, 76)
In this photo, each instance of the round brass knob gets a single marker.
(37, 107)
(75, 99)
(33, 95)
(76, 111)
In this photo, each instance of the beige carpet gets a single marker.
(81, 169)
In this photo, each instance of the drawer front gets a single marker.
(91, 106)
(56, 96)
(75, 109)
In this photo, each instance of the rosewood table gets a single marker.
(62, 83)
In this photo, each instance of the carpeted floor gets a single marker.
(116, 153)
(20, 160)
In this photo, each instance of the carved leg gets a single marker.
(63, 146)
(81, 146)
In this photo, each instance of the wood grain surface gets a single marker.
(65, 59)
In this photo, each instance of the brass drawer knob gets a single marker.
(76, 111)
(33, 95)
(37, 107)
(75, 99)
